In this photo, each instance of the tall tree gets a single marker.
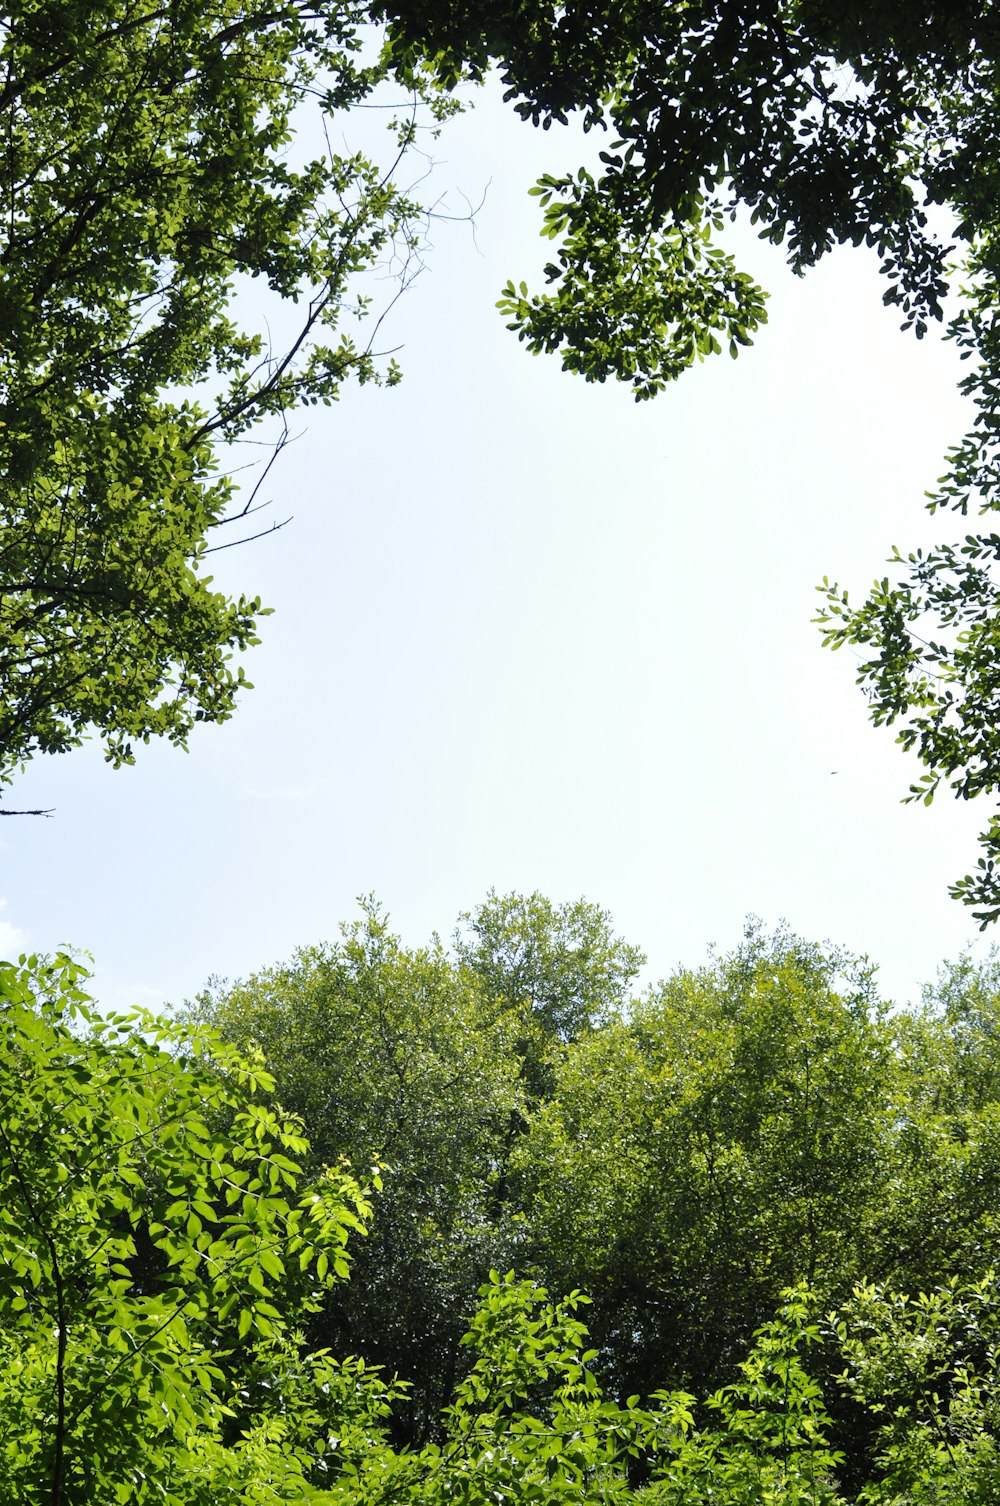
(395, 1056)
(561, 963)
(729, 1138)
(428, 1064)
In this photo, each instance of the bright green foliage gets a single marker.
(942, 689)
(732, 1136)
(929, 1368)
(144, 179)
(395, 1055)
(560, 962)
(940, 1220)
(157, 1248)
(530, 1423)
(962, 1010)
(782, 1197)
(626, 304)
(768, 1444)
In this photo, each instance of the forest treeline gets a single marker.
(481, 1222)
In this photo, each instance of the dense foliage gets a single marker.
(781, 1194)
(159, 1249)
(686, 1157)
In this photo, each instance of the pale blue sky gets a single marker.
(528, 634)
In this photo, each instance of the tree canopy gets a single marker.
(144, 180)
(781, 1193)
(147, 177)
(777, 1192)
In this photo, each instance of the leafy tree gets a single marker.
(561, 962)
(940, 1221)
(927, 1367)
(145, 177)
(734, 1135)
(684, 1157)
(530, 1423)
(708, 106)
(428, 1064)
(928, 631)
(157, 1248)
(558, 970)
(395, 1056)
(158, 1251)
(769, 1438)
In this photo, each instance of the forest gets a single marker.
(478, 1222)
(482, 1221)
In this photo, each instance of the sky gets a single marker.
(530, 635)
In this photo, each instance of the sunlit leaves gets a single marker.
(145, 177)
(395, 1054)
(150, 1212)
(637, 303)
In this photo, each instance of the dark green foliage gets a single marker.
(732, 100)
(832, 124)
(731, 1136)
(396, 1057)
(146, 177)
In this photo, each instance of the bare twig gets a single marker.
(235, 543)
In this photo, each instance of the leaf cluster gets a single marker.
(157, 1243)
(145, 179)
